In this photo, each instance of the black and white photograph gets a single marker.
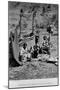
(33, 34)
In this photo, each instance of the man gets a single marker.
(24, 51)
(45, 46)
(49, 29)
(35, 51)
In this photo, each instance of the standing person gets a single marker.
(40, 50)
(20, 57)
(24, 51)
(31, 51)
(36, 39)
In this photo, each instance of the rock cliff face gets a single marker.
(45, 14)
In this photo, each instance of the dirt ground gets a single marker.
(33, 70)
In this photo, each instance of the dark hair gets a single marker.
(44, 37)
(24, 45)
(21, 10)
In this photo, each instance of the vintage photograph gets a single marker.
(32, 42)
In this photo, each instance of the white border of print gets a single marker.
(33, 82)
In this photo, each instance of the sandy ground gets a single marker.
(33, 70)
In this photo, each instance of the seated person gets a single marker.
(29, 56)
(45, 46)
(20, 57)
(40, 50)
(23, 51)
(35, 52)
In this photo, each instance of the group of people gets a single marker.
(34, 51)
